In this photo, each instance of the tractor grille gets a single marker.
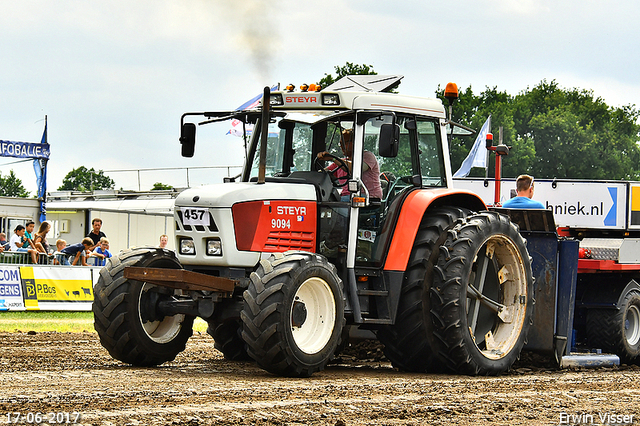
(283, 240)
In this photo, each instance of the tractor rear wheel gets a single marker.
(293, 313)
(617, 331)
(124, 311)
(482, 295)
(406, 343)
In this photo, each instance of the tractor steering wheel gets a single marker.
(337, 181)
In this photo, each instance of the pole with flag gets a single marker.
(40, 168)
(240, 128)
(478, 155)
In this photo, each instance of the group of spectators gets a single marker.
(24, 240)
(94, 245)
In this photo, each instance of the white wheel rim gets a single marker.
(313, 334)
(632, 325)
(163, 331)
(512, 289)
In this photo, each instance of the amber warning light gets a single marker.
(451, 92)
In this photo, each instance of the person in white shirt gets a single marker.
(17, 241)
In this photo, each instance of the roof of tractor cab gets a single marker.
(352, 100)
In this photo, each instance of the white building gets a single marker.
(129, 219)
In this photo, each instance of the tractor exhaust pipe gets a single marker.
(264, 129)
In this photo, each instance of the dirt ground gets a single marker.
(71, 373)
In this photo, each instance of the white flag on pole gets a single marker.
(478, 155)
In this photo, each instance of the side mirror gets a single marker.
(188, 139)
(388, 142)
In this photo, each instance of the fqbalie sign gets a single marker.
(24, 149)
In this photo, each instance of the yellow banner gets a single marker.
(59, 285)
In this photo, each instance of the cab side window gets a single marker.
(430, 151)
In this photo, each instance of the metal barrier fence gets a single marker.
(22, 258)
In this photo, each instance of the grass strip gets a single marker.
(62, 322)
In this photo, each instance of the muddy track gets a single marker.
(71, 372)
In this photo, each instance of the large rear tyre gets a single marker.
(124, 312)
(617, 331)
(293, 314)
(482, 295)
(406, 343)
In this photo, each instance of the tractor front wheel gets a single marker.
(293, 313)
(226, 330)
(124, 311)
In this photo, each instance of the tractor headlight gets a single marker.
(214, 247)
(187, 246)
(276, 99)
(330, 99)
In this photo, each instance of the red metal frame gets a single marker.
(586, 266)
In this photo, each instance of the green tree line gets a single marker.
(553, 132)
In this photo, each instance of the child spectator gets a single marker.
(60, 258)
(28, 234)
(18, 240)
(79, 251)
(164, 239)
(101, 252)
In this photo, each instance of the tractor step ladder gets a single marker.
(376, 309)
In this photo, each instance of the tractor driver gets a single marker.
(370, 167)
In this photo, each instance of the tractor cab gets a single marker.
(360, 163)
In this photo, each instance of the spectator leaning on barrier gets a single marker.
(40, 238)
(60, 258)
(524, 188)
(96, 233)
(18, 240)
(28, 234)
(79, 251)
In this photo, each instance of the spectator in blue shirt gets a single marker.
(524, 188)
(101, 252)
(78, 251)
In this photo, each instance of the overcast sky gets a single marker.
(114, 76)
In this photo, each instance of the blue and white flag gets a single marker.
(40, 168)
(237, 128)
(478, 155)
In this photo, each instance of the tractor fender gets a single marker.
(413, 209)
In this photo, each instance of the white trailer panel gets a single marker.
(577, 204)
